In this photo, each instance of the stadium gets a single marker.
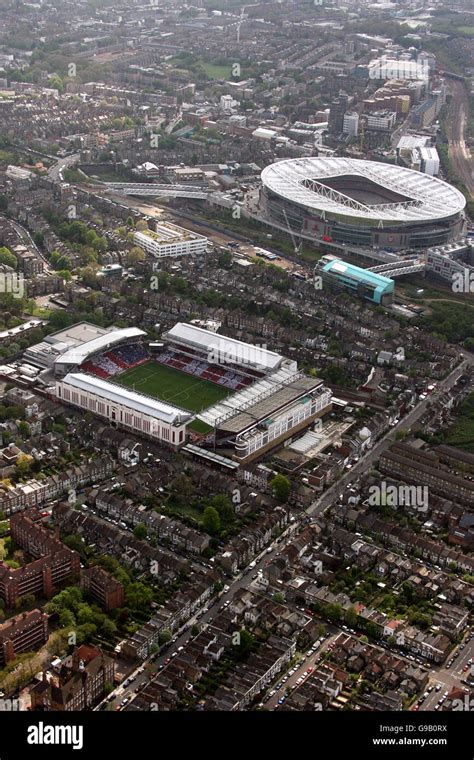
(194, 386)
(361, 203)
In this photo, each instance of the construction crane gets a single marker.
(361, 134)
(239, 23)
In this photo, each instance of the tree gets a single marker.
(211, 521)
(182, 489)
(333, 612)
(23, 464)
(350, 617)
(138, 595)
(108, 628)
(135, 255)
(245, 644)
(7, 257)
(23, 429)
(140, 531)
(281, 487)
(223, 504)
(164, 636)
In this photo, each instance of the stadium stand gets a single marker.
(228, 378)
(116, 361)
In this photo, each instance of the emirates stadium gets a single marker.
(359, 202)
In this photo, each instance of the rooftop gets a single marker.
(120, 395)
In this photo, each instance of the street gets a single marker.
(146, 670)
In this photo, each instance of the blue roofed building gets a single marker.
(361, 282)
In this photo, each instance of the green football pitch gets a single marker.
(172, 386)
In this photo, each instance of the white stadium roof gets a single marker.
(119, 395)
(301, 181)
(224, 348)
(79, 353)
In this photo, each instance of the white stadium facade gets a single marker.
(263, 399)
(124, 408)
(360, 202)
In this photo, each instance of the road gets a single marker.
(302, 670)
(205, 616)
(365, 462)
(459, 152)
(55, 172)
(28, 240)
(443, 678)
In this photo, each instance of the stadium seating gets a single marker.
(116, 361)
(196, 366)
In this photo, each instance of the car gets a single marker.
(125, 701)
(438, 687)
(272, 693)
(308, 653)
(430, 688)
(310, 670)
(436, 707)
(416, 708)
(282, 700)
(175, 654)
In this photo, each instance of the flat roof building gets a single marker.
(361, 282)
(169, 240)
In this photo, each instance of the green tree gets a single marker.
(138, 595)
(140, 531)
(7, 257)
(211, 521)
(23, 464)
(245, 644)
(164, 636)
(281, 487)
(223, 504)
(135, 255)
(350, 616)
(23, 429)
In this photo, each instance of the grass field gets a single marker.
(469, 30)
(214, 71)
(172, 386)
